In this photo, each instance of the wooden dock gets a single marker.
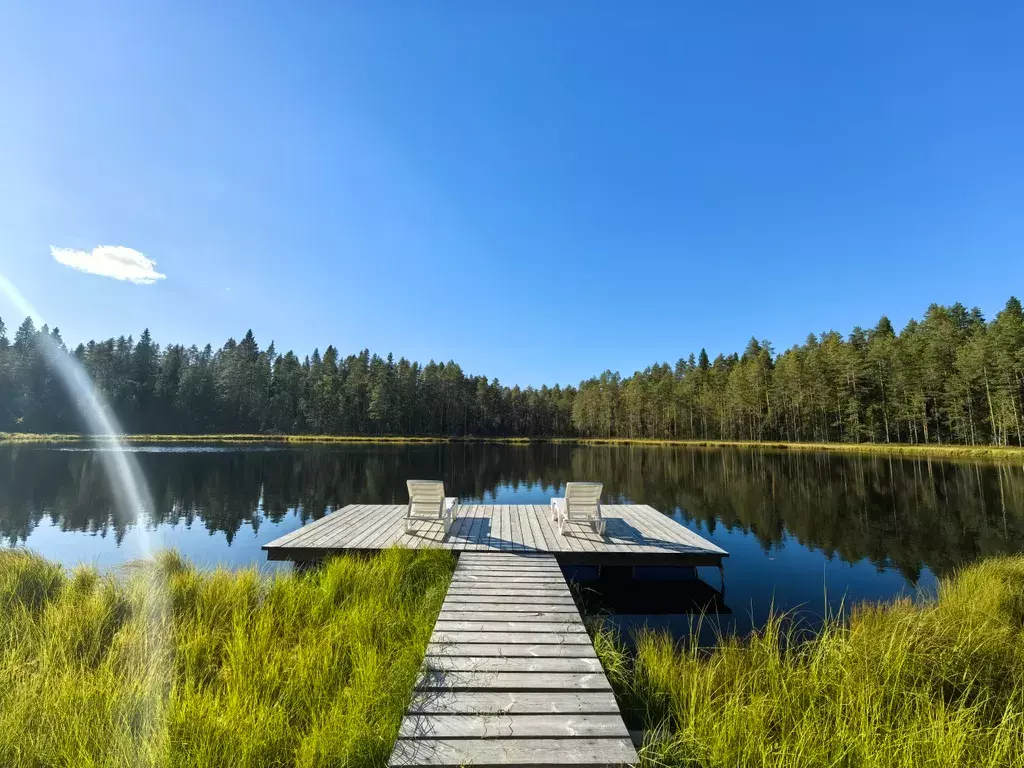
(510, 676)
(635, 534)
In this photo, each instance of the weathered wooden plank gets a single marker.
(536, 514)
(516, 528)
(362, 519)
(543, 537)
(461, 534)
(529, 557)
(505, 579)
(549, 597)
(522, 752)
(496, 615)
(513, 703)
(512, 664)
(377, 523)
(313, 531)
(511, 583)
(572, 624)
(549, 564)
(529, 569)
(565, 542)
(512, 591)
(514, 570)
(507, 576)
(539, 601)
(328, 519)
(504, 636)
(498, 648)
(549, 531)
(479, 520)
(542, 567)
(498, 528)
(453, 680)
(511, 726)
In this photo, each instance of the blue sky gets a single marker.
(539, 192)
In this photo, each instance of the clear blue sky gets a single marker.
(538, 191)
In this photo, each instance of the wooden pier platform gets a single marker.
(635, 534)
(510, 676)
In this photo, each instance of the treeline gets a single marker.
(952, 377)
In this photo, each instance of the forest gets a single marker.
(951, 377)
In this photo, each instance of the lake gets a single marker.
(803, 529)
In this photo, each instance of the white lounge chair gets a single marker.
(582, 504)
(428, 502)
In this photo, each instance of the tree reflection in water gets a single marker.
(907, 514)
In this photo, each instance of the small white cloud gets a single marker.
(116, 261)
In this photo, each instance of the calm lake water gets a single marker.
(802, 529)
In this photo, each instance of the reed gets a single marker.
(938, 682)
(167, 665)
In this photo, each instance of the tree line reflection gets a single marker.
(896, 512)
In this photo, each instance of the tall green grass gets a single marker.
(167, 665)
(938, 683)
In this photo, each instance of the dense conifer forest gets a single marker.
(952, 377)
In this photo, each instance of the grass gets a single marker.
(28, 437)
(945, 450)
(889, 449)
(166, 665)
(933, 683)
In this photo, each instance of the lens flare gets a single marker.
(127, 483)
(132, 497)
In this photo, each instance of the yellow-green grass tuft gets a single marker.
(924, 451)
(168, 665)
(933, 683)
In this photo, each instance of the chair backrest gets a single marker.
(425, 496)
(582, 498)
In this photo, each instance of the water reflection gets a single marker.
(795, 523)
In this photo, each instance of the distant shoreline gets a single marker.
(890, 449)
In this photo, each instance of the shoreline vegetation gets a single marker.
(951, 378)
(937, 682)
(930, 450)
(162, 663)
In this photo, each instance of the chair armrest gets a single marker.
(450, 503)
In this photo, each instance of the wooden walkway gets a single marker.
(634, 534)
(510, 676)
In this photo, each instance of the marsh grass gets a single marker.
(933, 450)
(932, 683)
(269, 439)
(167, 665)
